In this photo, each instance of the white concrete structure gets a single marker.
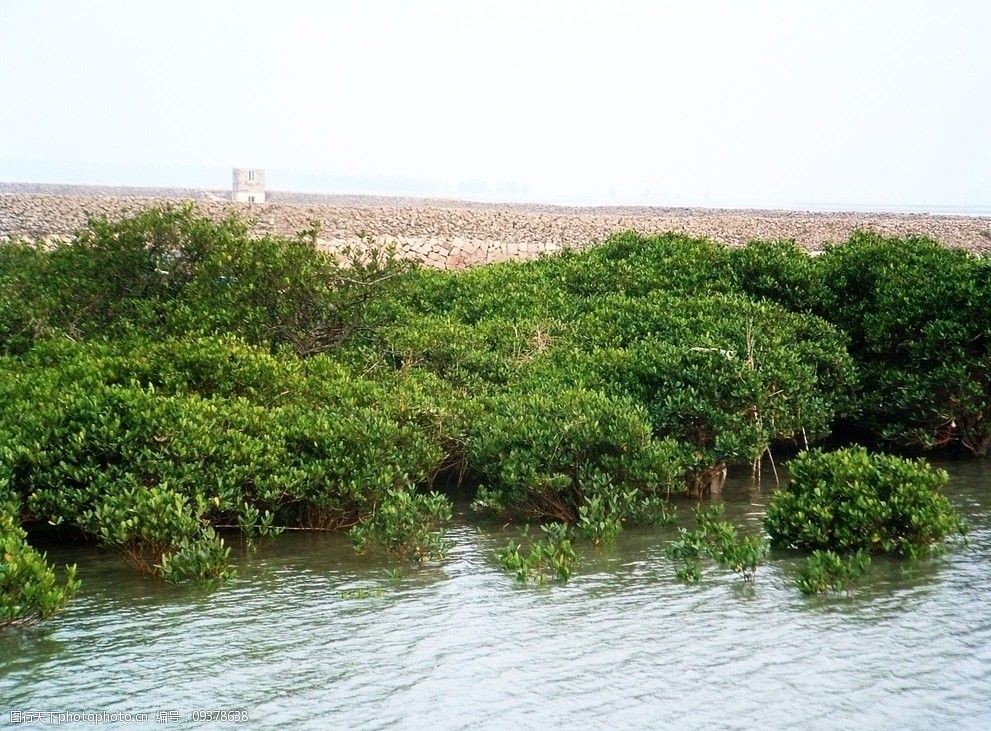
(249, 185)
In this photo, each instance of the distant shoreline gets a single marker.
(371, 200)
(454, 234)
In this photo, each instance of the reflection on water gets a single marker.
(462, 645)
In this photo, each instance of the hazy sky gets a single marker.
(789, 103)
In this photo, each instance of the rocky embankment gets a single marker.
(455, 234)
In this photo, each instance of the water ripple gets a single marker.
(462, 646)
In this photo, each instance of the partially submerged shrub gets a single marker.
(608, 508)
(720, 541)
(160, 533)
(826, 571)
(551, 454)
(652, 510)
(146, 459)
(850, 500)
(723, 376)
(29, 589)
(408, 525)
(167, 375)
(600, 517)
(551, 558)
(204, 558)
(255, 523)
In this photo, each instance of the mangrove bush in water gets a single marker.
(166, 378)
(550, 558)
(29, 589)
(850, 500)
(408, 525)
(826, 571)
(918, 326)
(719, 540)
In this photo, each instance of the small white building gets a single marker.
(249, 185)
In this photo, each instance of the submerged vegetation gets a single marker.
(720, 541)
(551, 558)
(29, 589)
(407, 524)
(826, 571)
(166, 378)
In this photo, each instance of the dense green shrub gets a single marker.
(159, 532)
(777, 271)
(560, 287)
(93, 442)
(203, 559)
(116, 275)
(635, 317)
(484, 355)
(918, 323)
(920, 327)
(279, 291)
(173, 271)
(850, 500)
(640, 266)
(29, 589)
(207, 366)
(561, 454)
(166, 376)
(504, 291)
(21, 322)
(722, 375)
(826, 571)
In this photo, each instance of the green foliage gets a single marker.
(173, 271)
(850, 500)
(689, 572)
(600, 517)
(29, 589)
(777, 271)
(723, 376)
(145, 522)
(129, 273)
(469, 356)
(408, 525)
(202, 559)
(652, 510)
(145, 455)
(826, 571)
(607, 509)
(167, 376)
(160, 533)
(718, 540)
(637, 266)
(257, 524)
(280, 291)
(569, 455)
(551, 558)
(920, 327)
(21, 323)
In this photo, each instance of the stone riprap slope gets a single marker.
(456, 234)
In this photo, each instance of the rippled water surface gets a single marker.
(462, 645)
